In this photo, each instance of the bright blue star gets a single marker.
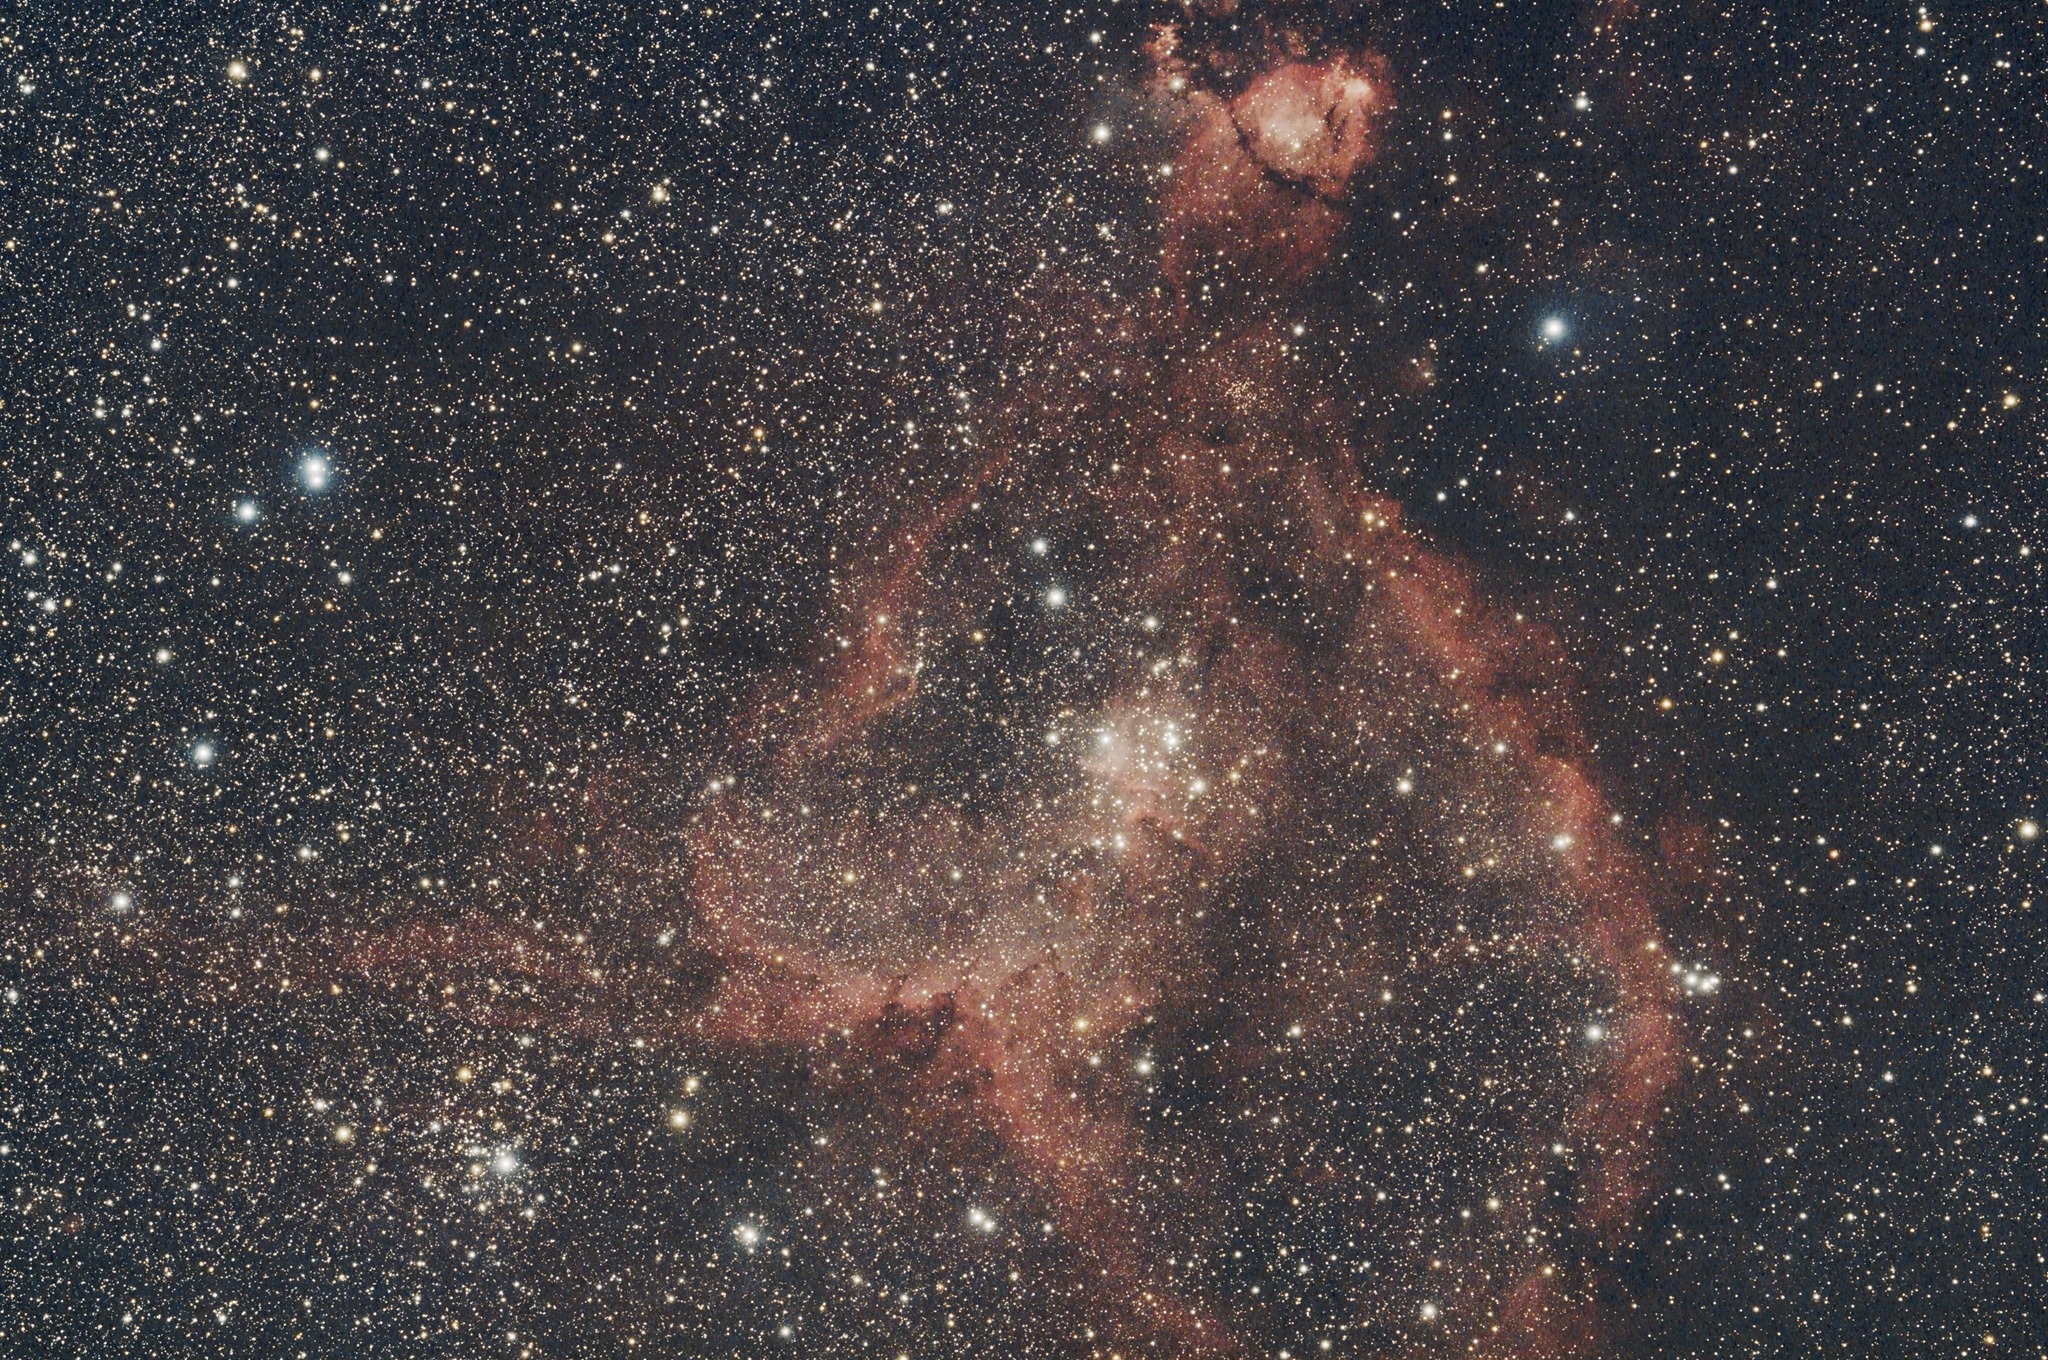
(315, 471)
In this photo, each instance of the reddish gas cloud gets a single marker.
(1259, 189)
(1310, 740)
(1247, 779)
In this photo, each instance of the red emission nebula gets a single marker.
(1190, 841)
(1315, 779)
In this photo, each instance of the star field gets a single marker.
(1229, 678)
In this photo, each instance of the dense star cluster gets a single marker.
(1211, 679)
